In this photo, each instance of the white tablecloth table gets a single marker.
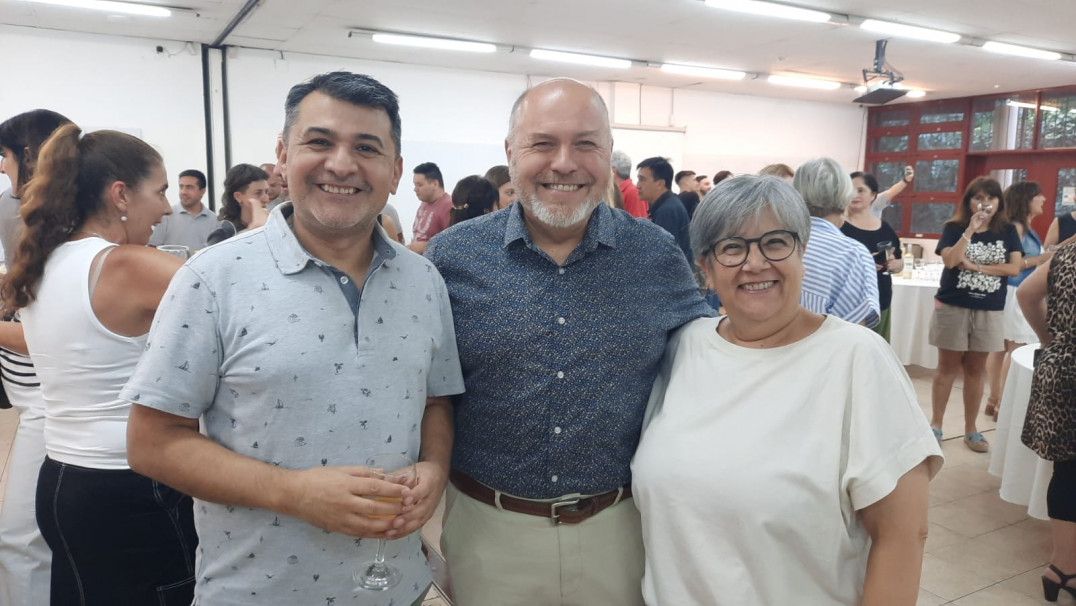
(909, 316)
(1024, 476)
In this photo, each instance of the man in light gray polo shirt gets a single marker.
(305, 347)
(190, 222)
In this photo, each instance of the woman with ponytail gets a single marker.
(25, 559)
(88, 287)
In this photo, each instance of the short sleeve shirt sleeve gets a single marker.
(179, 371)
(950, 235)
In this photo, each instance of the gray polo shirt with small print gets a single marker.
(289, 362)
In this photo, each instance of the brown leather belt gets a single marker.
(569, 510)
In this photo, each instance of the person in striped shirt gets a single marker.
(840, 278)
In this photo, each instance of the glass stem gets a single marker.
(380, 557)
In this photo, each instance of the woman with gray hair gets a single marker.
(840, 279)
(837, 514)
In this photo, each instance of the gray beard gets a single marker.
(541, 213)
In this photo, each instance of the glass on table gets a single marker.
(398, 469)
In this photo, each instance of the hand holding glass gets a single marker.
(886, 250)
(398, 469)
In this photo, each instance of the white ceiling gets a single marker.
(685, 31)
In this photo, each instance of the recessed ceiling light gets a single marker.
(1020, 51)
(580, 59)
(804, 82)
(770, 9)
(917, 94)
(862, 88)
(909, 31)
(439, 43)
(112, 6)
(702, 72)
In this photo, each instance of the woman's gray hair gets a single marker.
(737, 200)
(825, 186)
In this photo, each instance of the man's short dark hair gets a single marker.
(660, 168)
(684, 173)
(699, 178)
(431, 172)
(357, 89)
(197, 174)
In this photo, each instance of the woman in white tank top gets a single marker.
(88, 288)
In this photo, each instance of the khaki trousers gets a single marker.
(502, 558)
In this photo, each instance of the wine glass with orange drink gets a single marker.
(398, 469)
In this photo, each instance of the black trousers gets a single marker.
(117, 537)
(1061, 495)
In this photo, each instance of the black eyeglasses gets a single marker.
(776, 245)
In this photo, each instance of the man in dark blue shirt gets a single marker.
(562, 309)
(654, 181)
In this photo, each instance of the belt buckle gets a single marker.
(568, 501)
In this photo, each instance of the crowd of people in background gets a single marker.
(555, 343)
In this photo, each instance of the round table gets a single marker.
(1024, 476)
(909, 317)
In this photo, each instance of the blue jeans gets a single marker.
(117, 537)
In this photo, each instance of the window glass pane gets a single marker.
(1007, 123)
(1008, 176)
(1058, 120)
(1066, 191)
(951, 113)
(948, 140)
(887, 173)
(894, 216)
(891, 144)
(936, 175)
(929, 217)
(900, 117)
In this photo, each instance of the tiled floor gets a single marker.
(981, 550)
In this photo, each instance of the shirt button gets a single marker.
(560, 374)
(556, 430)
(561, 271)
(561, 321)
(554, 478)
(343, 280)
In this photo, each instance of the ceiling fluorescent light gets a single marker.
(917, 94)
(127, 8)
(770, 9)
(580, 59)
(909, 31)
(804, 82)
(702, 72)
(439, 43)
(1020, 51)
(1026, 105)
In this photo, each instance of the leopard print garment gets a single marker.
(1050, 427)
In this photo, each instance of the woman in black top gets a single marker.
(1061, 231)
(981, 251)
(862, 226)
(242, 206)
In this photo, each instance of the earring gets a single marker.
(123, 218)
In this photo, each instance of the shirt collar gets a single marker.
(601, 228)
(820, 223)
(205, 210)
(289, 254)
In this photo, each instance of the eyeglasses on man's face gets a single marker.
(776, 245)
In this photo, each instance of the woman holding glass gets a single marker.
(881, 241)
(981, 251)
(242, 205)
(784, 459)
(1023, 202)
(88, 287)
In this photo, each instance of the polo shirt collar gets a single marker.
(205, 211)
(601, 228)
(289, 254)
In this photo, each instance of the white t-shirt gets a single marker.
(881, 202)
(754, 462)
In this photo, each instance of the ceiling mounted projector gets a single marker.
(881, 80)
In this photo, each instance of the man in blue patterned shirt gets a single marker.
(562, 308)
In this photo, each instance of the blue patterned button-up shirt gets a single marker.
(558, 360)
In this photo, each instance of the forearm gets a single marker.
(437, 433)
(181, 457)
(893, 569)
(898, 187)
(1010, 269)
(954, 255)
(418, 246)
